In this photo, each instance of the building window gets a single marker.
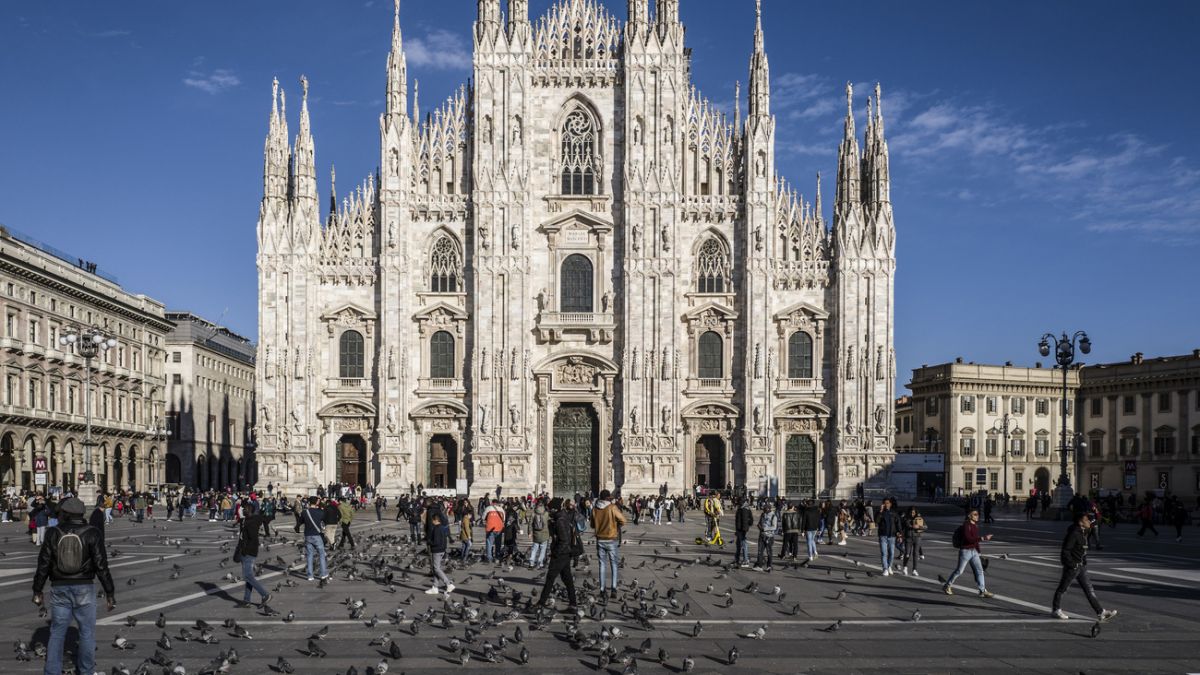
(966, 446)
(931, 405)
(990, 447)
(176, 357)
(10, 326)
(33, 331)
(991, 405)
(577, 279)
(1128, 404)
(34, 390)
(993, 481)
(1164, 444)
(580, 162)
(1164, 401)
(177, 378)
(441, 355)
(445, 266)
(712, 348)
(981, 476)
(52, 398)
(1097, 407)
(350, 352)
(907, 424)
(800, 355)
(72, 394)
(1018, 406)
(967, 405)
(712, 267)
(967, 475)
(1018, 447)
(1019, 481)
(1041, 447)
(1128, 445)
(1041, 406)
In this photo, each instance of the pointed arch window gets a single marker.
(580, 155)
(712, 267)
(445, 266)
(800, 355)
(350, 353)
(441, 355)
(712, 356)
(577, 284)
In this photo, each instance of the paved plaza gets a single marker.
(1153, 582)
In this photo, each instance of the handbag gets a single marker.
(318, 528)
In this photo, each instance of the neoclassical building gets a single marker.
(575, 273)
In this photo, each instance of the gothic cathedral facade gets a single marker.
(576, 273)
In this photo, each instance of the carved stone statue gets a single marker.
(666, 419)
(483, 364)
(633, 364)
(666, 363)
(666, 238)
(391, 369)
(543, 300)
(849, 420)
(266, 418)
(758, 419)
(850, 362)
(391, 417)
(605, 301)
(514, 366)
(515, 237)
(483, 237)
(514, 418)
(633, 420)
(758, 372)
(758, 238)
(635, 239)
(879, 421)
(483, 419)
(298, 419)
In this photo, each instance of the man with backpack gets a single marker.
(768, 525)
(607, 521)
(493, 530)
(565, 543)
(742, 520)
(1074, 561)
(967, 540)
(540, 529)
(71, 557)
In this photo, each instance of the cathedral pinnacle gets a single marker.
(760, 71)
(397, 70)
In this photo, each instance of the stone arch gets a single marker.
(444, 261)
(580, 131)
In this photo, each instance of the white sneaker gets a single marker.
(1059, 614)
(449, 589)
(915, 574)
(905, 571)
(432, 591)
(1106, 615)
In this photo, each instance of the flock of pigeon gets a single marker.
(491, 626)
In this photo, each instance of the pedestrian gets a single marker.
(540, 532)
(331, 515)
(913, 525)
(439, 540)
(1146, 515)
(607, 521)
(139, 504)
(465, 521)
(71, 558)
(669, 507)
(768, 526)
(380, 505)
(314, 537)
(1074, 561)
(810, 522)
(247, 549)
(742, 520)
(1177, 514)
(790, 522)
(967, 540)
(564, 541)
(493, 530)
(345, 517)
(887, 525)
(512, 526)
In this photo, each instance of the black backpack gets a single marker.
(957, 539)
(70, 553)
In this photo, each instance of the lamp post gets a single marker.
(88, 342)
(1064, 355)
(1002, 427)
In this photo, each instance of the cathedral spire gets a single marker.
(487, 22)
(332, 193)
(397, 71)
(817, 206)
(305, 169)
(737, 107)
(639, 14)
(848, 190)
(760, 71)
(518, 21)
(879, 176)
(666, 12)
(416, 102)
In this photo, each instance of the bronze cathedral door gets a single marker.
(575, 449)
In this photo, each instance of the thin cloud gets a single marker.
(439, 49)
(214, 82)
(114, 33)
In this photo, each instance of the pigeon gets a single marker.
(758, 633)
(916, 615)
(381, 667)
(119, 642)
(161, 621)
(291, 616)
(320, 635)
(241, 632)
(464, 656)
(524, 656)
(696, 629)
(689, 664)
(663, 656)
(314, 649)
(1095, 632)
(733, 656)
(645, 647)
(131, 621)
(840, 596)
(282, 666)
(394, 651)
(833, 627)
(164, 642)
(630, 668)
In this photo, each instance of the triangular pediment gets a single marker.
(801, 308)
(702, 310)
(348, 311)
(441, 307)
(590, 220)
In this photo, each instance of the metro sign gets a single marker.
(39, 465)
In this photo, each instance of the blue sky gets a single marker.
(1045, 162)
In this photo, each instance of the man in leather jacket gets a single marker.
(73, 596)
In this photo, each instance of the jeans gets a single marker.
(810, 540)
(67, 603)
(314, 544)
(436, 569)
(491, 545)
(608, 552)
(968, 556)
(1070, 574)
(107, 516)
(141, 513)
(537, 554)
(252, 583)
(41, 534)
(912, 551)
(742, 550)
(887, 552)
(766, 546)
(466, 548)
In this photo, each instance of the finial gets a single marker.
(849, 100)
(758, 11)
(397, 13)
(878, 102)
(416, 101)
(333, 178)
(283, 102)
(304, 86)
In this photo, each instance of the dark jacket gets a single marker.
(743, 520)
(1074, 547)
(562, 529)
(812, 518)
(311, 519)
(888, 523)
(439, 536)
(331, 515)
(249, 533)
(96, 520)
(791, 521)
(910, 531)
(95, 561)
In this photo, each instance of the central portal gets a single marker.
(710, 462)
(443, 460)
(352, 460)
(576, 448)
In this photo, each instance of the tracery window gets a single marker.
(800, 355)
(445, 266)
(577, 284)
(441, 355)
(351, 355)
(712, 267)
(711, 361)
(579, 153)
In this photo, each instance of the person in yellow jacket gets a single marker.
(346, 516)
(712, 515)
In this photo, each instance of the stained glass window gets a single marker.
(580, 161)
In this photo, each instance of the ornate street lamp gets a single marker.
(1001, 426)
(1064, 354)
(87, 342)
